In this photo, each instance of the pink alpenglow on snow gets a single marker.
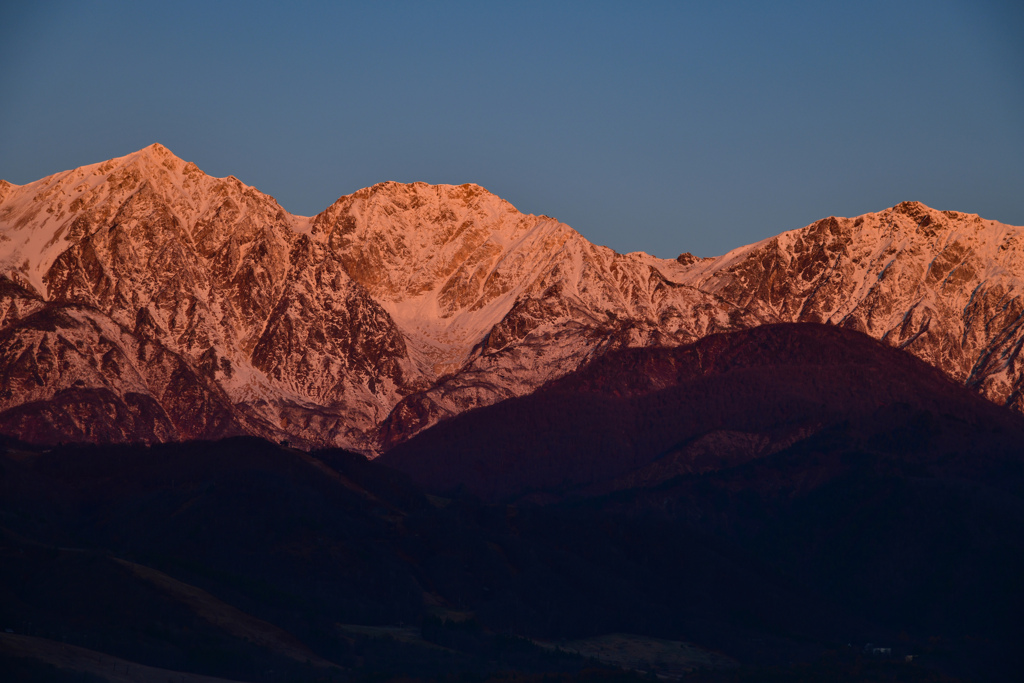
(143, 300)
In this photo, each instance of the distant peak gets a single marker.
(912, 208)
(391, 191)
(156, 154)
(924, 216)
(156, 150)
(420, 186)
(687, 259)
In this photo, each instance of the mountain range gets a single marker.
(142, 300)
(749, 467)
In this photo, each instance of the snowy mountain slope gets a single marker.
(492, 302)
(401, 305)
(943, 285)
(206, 267)
(71, 373)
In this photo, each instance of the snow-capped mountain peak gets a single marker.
(141, 299)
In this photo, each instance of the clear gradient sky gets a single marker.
(654, 126)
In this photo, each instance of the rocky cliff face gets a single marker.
(943, 285)
(261, 320)
(142, 300)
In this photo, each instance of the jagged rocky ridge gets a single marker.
(142, 300)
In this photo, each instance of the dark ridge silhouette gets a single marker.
(772, 562)
(636, 417)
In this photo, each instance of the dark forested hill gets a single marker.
(637, 417)
(894, 522)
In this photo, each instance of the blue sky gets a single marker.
(661, 127)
